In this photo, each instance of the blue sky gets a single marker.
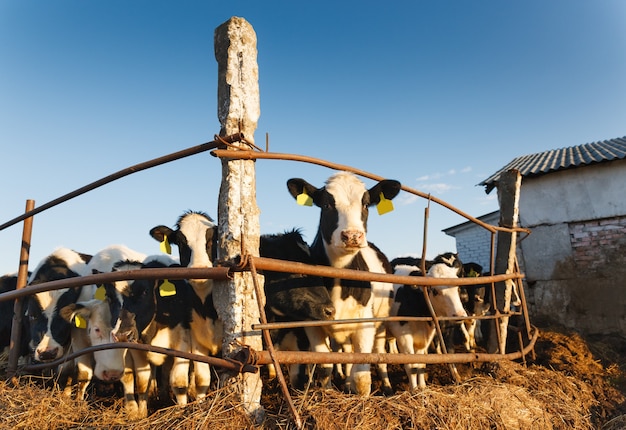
(436, 94)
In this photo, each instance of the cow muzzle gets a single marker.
(352, 238)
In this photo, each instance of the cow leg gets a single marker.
(319, 343)
(137, 377)
(202, 372)
(360, 378)
(84, 365)
(380, 344)
(405, 346)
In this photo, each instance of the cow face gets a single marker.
(195, 236)
(344, 203)
(109, 363)
(446, 299)
(50, 333)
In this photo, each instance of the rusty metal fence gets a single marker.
(250, 360)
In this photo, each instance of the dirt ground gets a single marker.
(572, 383)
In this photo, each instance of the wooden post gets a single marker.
(509, 186)
(238, 214)
(22, 279)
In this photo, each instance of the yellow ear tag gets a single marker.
(100, 293)
(384, 205)
(304, 199)
(80, 321)
(165, 246)
(167, 289)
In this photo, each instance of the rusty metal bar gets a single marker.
(264, 263)
(270, 348)
(258, 358)
(322, 323)
(125, 172)
(291, 357)
(18, 305)
(226, 363)
(218, 273)
(252, 155)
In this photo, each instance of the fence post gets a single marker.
(238, 214)
(22, 278)
(509, 186)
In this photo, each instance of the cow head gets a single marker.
(446, 299)
(344, 202)
(49, 332)
(196, 238)
(94, 316)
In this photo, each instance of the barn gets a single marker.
(572, 199)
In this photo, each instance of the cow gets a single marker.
(195, 235)
(293, 297)
(52, 336)
(158, 313)
(415, 337)
(341, 242)
(91, 319)
(8, 282)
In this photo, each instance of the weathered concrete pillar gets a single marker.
(238, 110)
(509, 187)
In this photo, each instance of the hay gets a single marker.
(566, 387)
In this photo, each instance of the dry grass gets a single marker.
(567, 387)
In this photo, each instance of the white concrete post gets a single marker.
(238, 110)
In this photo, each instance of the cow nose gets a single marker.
(352, 237)
(123, 336)
(111, 375)
(48, 354)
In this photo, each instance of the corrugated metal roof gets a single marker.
(561, 159)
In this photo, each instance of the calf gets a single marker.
(156, 313)
(415, 337)
(52, 336)
(91, 320)
(293, 297)
(341, 242)
(195, 235)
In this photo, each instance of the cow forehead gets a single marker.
(346, 189)
(48, 299)
(194, 224)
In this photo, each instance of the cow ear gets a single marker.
(73, 311)
(160, 232)
(297, 186)
(389, 189)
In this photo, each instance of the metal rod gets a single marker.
(270, 348)
(253, 155)
(218, 273)
(263, 263)
(125, 172)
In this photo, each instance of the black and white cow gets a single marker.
(8, 283)
(92, 319)
(293, 297)
(156, 312)
(195, 235)
(415, 337)
(51, 335)
(341, 242)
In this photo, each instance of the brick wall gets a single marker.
(594, 242)
(474, 245)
